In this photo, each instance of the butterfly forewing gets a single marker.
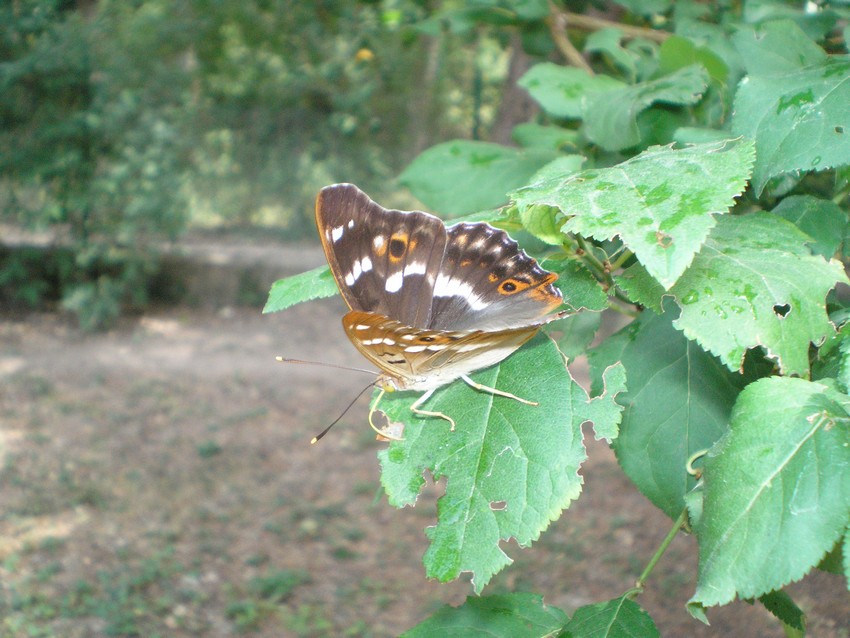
(384, 261)
(486, 282)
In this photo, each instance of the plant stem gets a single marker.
(596, 266)
(677, 525)
(623, 258)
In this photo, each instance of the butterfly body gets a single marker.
(429, 304)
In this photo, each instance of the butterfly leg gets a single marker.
(372, 410)
(488, 389)
(415, 409)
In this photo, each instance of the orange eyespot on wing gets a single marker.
(398, 246)
(512, 286)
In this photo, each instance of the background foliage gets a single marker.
(122, 122)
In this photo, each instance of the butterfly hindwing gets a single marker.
(426, 359)
(384, 261)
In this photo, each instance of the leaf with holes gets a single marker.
(511, 468)
(756, 283)
(777, 489)
(660, 203)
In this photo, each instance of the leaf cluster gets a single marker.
(695, 179)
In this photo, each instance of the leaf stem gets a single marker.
(641, 581)
(598, 268)
(623, 258)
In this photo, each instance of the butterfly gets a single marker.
(430, 304)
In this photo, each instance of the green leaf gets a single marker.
(575, 333)
(618, 618)
(660, 203)
(607, 42)
(611, 117)
(560, 89)
(530, 135)
(783, 607)
(777, 489)
(833, 562)
(821, 219)
(517, 615)
(579, 287)
(776, 47)
(677, 52)
(815, 24)
(799, 119)
(466, 176)
(678, 402)
(641, 287)
(511, 468)
(313, 284)
(846, 553)
(755, 283)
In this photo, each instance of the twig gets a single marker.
(558, 27)
(591, 23)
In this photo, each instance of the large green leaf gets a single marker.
(799, 119)
(611, 117)
(755, 283)
(467, 176)
(561, 89)
(511, 468)
(618, 618)
(776, 47)
(678, 402)
(313, 284)
(517, 615)
(660, 203)
(777, 489)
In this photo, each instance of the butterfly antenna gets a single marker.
(326, 365)
(336, 420)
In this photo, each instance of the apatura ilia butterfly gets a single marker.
(430, 304)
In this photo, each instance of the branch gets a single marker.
(590, 23)
(558, 27)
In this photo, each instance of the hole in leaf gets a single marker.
(664, 240)
(498, 505)
(782, 310)
(839, 129)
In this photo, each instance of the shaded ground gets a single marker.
(158, 481)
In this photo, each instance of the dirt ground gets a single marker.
(158, 480)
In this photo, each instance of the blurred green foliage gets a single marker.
(122, 122)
